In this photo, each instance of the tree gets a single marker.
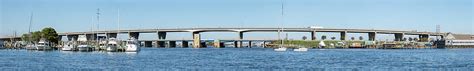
(333, 38)
(352, 38)
(361, 38)
(304, 38)
(36, 36)
(323, 37)
(50, 34)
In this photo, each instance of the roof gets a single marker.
(460, 37)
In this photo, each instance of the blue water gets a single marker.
(241, 58)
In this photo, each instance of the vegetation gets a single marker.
(47, 33)
(314, 43)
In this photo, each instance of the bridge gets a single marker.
(197, 42)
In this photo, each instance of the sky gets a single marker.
(80, 15)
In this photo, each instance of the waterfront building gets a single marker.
(459, 40)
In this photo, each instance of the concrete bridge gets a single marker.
(197, 42)
(216, 42)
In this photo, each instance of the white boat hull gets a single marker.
(132, 48)
(280, 49)
(84, 48)
(67, 48)
(301, 49)
(111, 49)
(43, 48)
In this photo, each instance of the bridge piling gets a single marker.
(148, 43)
(372, 36)
(184, 44)
(134, 35)
(196, 40)
(343, 35)
(399, 36)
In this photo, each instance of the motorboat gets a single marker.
(132, 45)
(301, 49)
(84, 47)
(322, 44)
(112, 45)
(43, 45)
(68, 46)
(30, 46)
(103, 45)
(280, 49)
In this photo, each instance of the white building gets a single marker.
(459, 40)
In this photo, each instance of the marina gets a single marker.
(236, 35)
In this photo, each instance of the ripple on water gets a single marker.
(240, 58)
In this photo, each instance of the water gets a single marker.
(241, 58)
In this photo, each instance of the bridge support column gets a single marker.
(217, 44)
(241, 37)
(91, 37)
(313, 35)
(424, 38)
(148, 44)
(399, 36)
(111, 35)
(134, 35)
(171, 44)
(264, 43)
(236, 44)
(372, 36)
(72, 37)
(343, 35)
(184, 44)
(161, 35)
(250, 44)
(196, 40)
(160, 44)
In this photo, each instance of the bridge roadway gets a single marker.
(134, 33)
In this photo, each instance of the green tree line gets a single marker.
(47, 33)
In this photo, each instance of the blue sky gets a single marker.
(79, 15)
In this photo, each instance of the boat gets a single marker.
(322, 44)
(43, 45)
(68, 46)
(84, 47)
(301, 49)
(30, 46)
(356, 45)
(112, 45)
(132, 45)
(280, 49)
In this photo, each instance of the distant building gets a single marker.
(459, 40)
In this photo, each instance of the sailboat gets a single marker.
(281, 48)
(30, 45)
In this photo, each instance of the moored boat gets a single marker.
(68, 46)
(301, 49)
(132, 45)
(112, 45)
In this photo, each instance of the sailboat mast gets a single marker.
(98, 21)
(29, 28)
(118, 22)
(281, 22)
